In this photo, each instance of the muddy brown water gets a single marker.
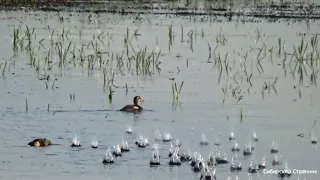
(276, 117)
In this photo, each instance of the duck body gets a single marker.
(221, 161)
(40, 142)
(135, 107)
(131, 108)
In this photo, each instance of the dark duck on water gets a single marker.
(135, 107)
(40, 142)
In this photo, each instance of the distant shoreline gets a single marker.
(273, 11)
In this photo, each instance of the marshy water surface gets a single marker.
(239, 76)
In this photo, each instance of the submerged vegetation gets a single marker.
(61, 51)
(239, 70)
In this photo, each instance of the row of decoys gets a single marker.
(176, 157)
(197, 162)
(195, 159)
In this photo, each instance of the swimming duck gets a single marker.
(75, 141)
(40, 142)
(155, 160)
(94, 144)
(129, 130)
(276, 161)
(204, 141)
(135, 107)
(117, 151)
(262, 164)
(175, 159)
(232, 136)
(314, 140)
(235, 147)
(221, 160)
(186, 156)
(211, 160)
(235, 164)
(194, 159)
(108, 158)
(255, 137)
(284, 172)
(124, 147)
(253, 167)
(198, 166)
(166, 137)
(142, 142)
(208, 174)
(274, 147)
(247, 151)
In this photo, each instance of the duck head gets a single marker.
(137, 100)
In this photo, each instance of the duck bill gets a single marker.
(141, 100)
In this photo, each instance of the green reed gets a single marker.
(176, 92)
(146, 63)
(62, 52)
(221, 38)
(16, 38)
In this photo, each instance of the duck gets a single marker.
(94, 144)
(235, 147)
(124, 147)
(186, 156)
(108, 158)
(40, 142)
(135, 107)
(235, 164)
(75, 141)
(155, 160)
(253, 168)
(274, 148)
(175, 159)
(262, 164)
(117, 151)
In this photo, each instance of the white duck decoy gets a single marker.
(75, 141)
(108, 158)
(94, 144)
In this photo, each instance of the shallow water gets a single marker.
(278, 117)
